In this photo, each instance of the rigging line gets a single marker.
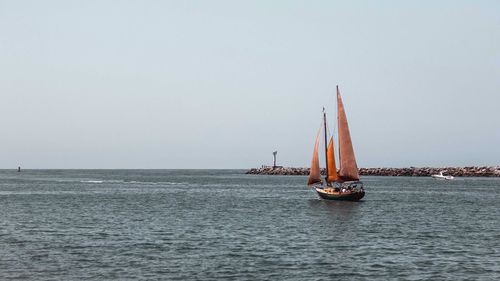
(321, 123)
(327, 127)
(335, 124)
(320, 157)
(335, 114)
(328, 130)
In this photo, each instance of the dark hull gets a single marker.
(351, 196)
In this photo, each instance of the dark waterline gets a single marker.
(224, 225)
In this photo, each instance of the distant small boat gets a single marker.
(344, 184)
(443, 177)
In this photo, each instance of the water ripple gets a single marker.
(224, 225)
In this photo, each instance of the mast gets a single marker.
(326, 147)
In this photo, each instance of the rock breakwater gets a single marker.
(472, 171)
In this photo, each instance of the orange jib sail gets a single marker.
(314, 173)
(348, 166)
(332, 169)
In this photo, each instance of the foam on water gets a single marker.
(91, 181)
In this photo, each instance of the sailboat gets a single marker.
(343, 184)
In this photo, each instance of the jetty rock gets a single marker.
(284, 171)
(470, 171)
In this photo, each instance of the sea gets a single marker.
(226, 225)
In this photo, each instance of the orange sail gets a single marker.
(332, 169)
(314, 173)
(348, 167)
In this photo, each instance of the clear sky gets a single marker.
(222, 84)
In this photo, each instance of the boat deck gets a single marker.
(337, 194)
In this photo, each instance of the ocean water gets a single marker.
(225, 225)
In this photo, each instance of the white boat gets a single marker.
(441, 176)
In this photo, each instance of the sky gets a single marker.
(222, 84)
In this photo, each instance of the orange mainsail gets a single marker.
(332, 169)
(348, 166)
(314, 173)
